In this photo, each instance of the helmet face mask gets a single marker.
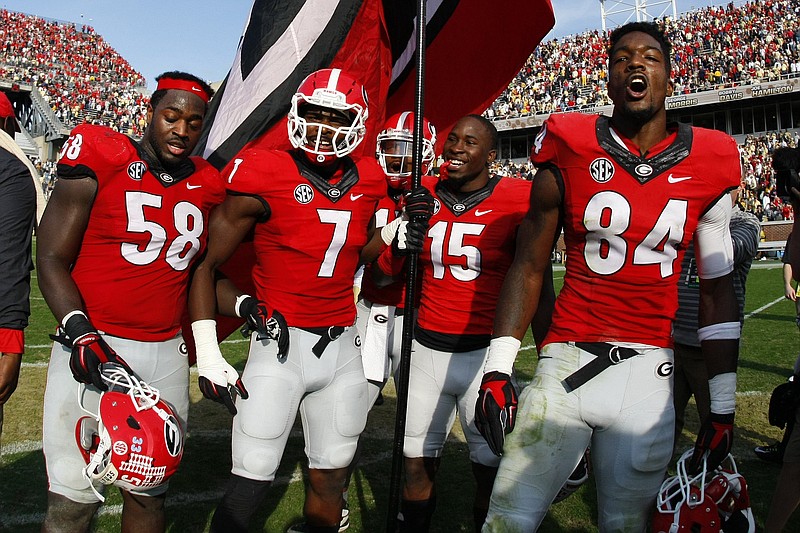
(134, 441)
(337, 93)
(709, 501)
(394, 149)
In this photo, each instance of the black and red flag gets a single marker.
(474, 50)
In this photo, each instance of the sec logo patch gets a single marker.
(601, 170)
(303, 193)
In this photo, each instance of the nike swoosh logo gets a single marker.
(195, 89)
(481, 213)
(677, 180)
(190, 186)
(355, 197)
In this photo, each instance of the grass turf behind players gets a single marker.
(770, 343)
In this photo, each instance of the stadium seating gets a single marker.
(78, 73)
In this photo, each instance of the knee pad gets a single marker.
(260, 461)
(269, 412)
(352, 406)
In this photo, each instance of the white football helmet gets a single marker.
(134, 441)
(332, 89)
(393, 148)
(711, 501)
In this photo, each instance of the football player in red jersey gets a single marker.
(630, 191)
(310, 209)
(468, 246)
(118, 238)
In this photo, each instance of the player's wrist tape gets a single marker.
(76, 325)
(205, 340)
(722, 391)
(720, 331)
(502, 354)
(238, 307)
(389, 230)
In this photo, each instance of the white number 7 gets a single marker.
(341, 221)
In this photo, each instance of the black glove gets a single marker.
(496, 409)
(267, 326)
(419, 205)
(713, 443)
(222, 393)
(89, 351)
(409, 238)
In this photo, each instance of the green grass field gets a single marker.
(769, 347)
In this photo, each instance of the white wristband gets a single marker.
(72, 314)
(205, 341)
(720, 331)
(389, 230)
(502, 354)
(722, 391)
(239, 300)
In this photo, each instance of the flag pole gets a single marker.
(401, 376)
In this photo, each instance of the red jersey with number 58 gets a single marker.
(308, 249)
(627, 222)
(146, 228)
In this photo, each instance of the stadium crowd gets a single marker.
(86, 80)
(78, 73)
(714, 47)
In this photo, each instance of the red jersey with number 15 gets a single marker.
(146, 228)
(308, 250)
(469, 247)
(627, 222)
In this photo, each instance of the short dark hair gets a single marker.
(156, 97)
(489, 127)
(650, 28)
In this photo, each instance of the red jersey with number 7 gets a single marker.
(627, 222)
(308, 248)
(146, 228)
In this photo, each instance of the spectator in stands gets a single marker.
(691, 377)
(79, 74)
(774, 452)
(17, 217)
(787, 489)
(714, 47)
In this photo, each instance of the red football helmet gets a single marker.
(393, 148)
(332, 89)
(707, 502)
(135, 440)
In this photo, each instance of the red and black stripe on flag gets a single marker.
(475, 48)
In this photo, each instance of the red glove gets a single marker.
(714, 441)
(89, 351)
(496, 409)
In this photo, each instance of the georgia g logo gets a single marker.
(664, 369)
(172, 436)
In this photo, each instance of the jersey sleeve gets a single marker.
(244, 174)
(545, 146)
(93, 151)
(712, 241)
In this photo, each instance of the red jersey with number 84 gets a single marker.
(627, 222)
